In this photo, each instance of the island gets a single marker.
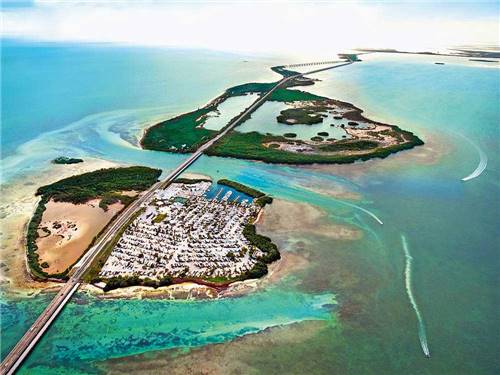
(66, 160)
(191, 231)
(353, 136)
(72, 212)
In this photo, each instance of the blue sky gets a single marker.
(257, 26)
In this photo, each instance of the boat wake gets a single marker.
(483, 161)
(364, 210)
(421, 327)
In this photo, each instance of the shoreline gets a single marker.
(255, 146)
(17, 207)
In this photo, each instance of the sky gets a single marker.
(266, 27)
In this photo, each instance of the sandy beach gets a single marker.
(18, 201)
(69, 230)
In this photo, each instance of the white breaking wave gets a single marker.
(483, 160)
(421, 327)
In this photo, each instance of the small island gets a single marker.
(354, 136)
(66, 160)
(72, 212)
(191, 231)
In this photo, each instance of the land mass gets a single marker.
(66, 160)
(189, 233)
(363, 138)
(60, 223)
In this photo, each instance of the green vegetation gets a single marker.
(110, 198)
(317, 139)
(81, 188)
(31, 247)
(242, 188)
(185, 133)
(265, 244)
(347, 145)
(292, 116)
(323, 134)
(126, 281)
(103, 183)
(283, 71)
(182, 180)
(179, 134)
(285, 95)
(251, 146)
(159, 218)
(247, 88)
(290, 135)
(262, 201)
(66, 160)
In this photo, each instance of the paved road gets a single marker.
(36, 331)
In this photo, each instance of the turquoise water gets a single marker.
(92, 330)
(264, 121)
(451, 229)
(228, 109)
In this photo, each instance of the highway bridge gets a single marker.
(313, 63)
(22, 349)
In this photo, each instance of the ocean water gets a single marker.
(356, 287)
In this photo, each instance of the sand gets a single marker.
(289, 218)
(435, 148)
(17, 204)
(234, 357)
(72, 228)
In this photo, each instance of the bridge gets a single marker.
(22, 349)
(313, 63)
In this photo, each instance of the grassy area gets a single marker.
(250, 146)
(185, 133)
(159, 218)
(179, 134)
(104, 183)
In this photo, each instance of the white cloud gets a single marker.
(265, 27)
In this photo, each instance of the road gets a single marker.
(17, 355)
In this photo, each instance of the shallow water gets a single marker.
(450, 227)
(228, 110)
(264, 121)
